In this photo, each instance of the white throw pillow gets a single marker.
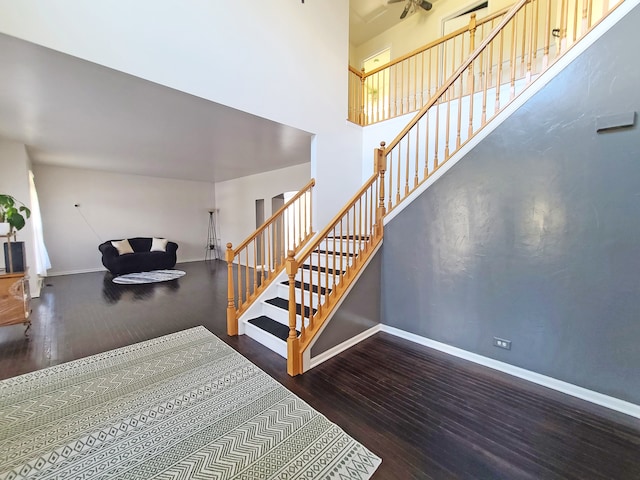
(123, 246)
(159, 245)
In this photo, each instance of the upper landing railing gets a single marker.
(405, 84)
(527, 41)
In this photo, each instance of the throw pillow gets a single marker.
(123, 246)
(159, 245)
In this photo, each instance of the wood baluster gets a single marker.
(406, 172)
(246, 273)
(310, 206)
(470, 80)
(459, 123)
(534, 47)
(232, 322)
(417, 160)
(293, 346)
(426, 145)
(255, 270)
(390, 199)
(484, 79)
(448, 124)
(389, 93)
(319, 280)
(340, 239)
(269, 248)
(380, 169)
(589, 14)
(512, 59)
(399, 170)
(563, 30)
(415, 83)
(547, 37)
(575, 20)
(299, 223)
(524, 40)
(422, 68)
(436, 106)
(499, 73)
(239, 270)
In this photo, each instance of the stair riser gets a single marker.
(344, 246)
(330, 260)
(283, 291)
(323, 278)
(266, 339)
(279, 315)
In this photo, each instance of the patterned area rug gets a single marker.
(148, 277)
(183, 406)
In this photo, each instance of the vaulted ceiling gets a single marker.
(74, 113)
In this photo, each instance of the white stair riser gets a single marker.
(283, 292)
(266, 339)
(279, 315)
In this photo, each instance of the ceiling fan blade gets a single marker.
(389, 2)
(405, 11)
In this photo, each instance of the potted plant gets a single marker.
(12, 219)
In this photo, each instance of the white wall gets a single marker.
(234, 198)
(418, 29)
(279, 59)
(118, 206)
(15, 165)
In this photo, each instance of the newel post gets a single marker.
(293, 344)
(232, 321)
(381, 167)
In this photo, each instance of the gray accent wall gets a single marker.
(534, 236)
(359, 311)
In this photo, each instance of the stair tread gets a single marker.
(271, 326)
(298, 284)
(322, 269)
(352, 237)
(330, 252)
(284, 304)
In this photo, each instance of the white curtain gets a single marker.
(42, 257)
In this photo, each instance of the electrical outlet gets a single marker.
(502, 343)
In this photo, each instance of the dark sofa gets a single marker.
(141, 260)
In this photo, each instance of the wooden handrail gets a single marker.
(334, 221)
(445, 86)
(357, 72)
(263, 253)
(271, 219)
(434, 43)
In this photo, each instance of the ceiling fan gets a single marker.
(424, 4)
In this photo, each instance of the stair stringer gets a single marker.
(536, 85)
(308, 362)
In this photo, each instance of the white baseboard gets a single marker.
(332, 352)
(601, 399)
(102, 269)
(73, 272)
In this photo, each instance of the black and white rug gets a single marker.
(153, 276)
(182, 406)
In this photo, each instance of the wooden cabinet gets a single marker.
(14, 299)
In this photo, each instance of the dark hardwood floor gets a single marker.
(428, 415)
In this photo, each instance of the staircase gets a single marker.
(268, 320)
(289, 315)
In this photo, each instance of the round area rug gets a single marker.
(153, 276)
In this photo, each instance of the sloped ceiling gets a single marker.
(70, 112)
(73, 113)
